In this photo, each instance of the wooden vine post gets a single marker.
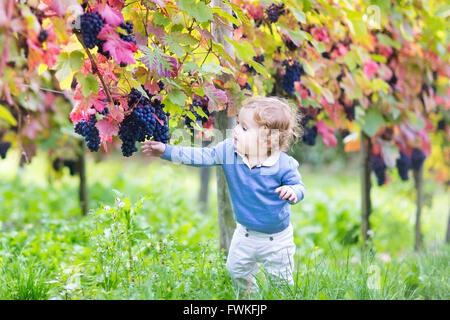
(418, 181)
(83, 193)
(222, 122)
(366, 151)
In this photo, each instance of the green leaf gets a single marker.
(214, 68)
(6, 114)
(259, 68)
(370, 121)
(244, 50)
(378, 84)
(200, 11)
(160, 19)
(299, 15)
(178, 97)
(63, 67)
(319, 46)
(76, 60)
(225, 15)
(88, 84)
(417, 123)
(307, 67)
(240, 14)
(387, 41)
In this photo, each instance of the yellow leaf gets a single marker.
(5, 114)
(42, 68)
(66, 83)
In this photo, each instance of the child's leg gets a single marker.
(241, 263)
(278, 256)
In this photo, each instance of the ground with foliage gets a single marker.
(153, 242)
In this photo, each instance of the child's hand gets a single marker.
(153, 148)
(286, 193)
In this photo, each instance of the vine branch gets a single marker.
(94, 67)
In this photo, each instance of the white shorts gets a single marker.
(249, 248)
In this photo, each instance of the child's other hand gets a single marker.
(286, 193)
(153, 148)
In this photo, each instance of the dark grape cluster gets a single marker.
(142, 123)
(161, 132)
(259, 59)
(4, 147)
(350, 112)
(128, 27)
(127, 37)
(274, 11)
(91, 24)
(105, 111)
(441, 125)
(379, 168)
(310, 134)
(417, 158)
(293, 73)
(100, 44)
(403, 165)
(198, 102)
(42, 35)
(90, 133)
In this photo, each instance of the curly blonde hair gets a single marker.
(276, 113)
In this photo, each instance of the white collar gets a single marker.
(268, 162)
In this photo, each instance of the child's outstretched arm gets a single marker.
(192, 156)
(292, 188)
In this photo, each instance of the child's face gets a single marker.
(249, 137)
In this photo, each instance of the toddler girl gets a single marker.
(263, 181)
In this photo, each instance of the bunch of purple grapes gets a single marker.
(310, 133)
(201, 102)
(403, 165)
(89, 131)
(350, 112)
(379, 168)
(91, 24)
(274, 11)
(142, 123)
(417, 158)
(293, 73)
(4, 147)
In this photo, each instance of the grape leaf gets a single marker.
(327, 134)
(5, 114)
(88, 84)
(371, 121)
(76, 60)
(178, 97)
(157, 61)
(200, 11)
(111, 16)
(217, 97)
(121, 51)
(107, 129)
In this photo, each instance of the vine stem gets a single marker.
(94, 67)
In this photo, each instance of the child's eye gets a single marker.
(244, 128)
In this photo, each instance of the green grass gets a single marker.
(164, 247)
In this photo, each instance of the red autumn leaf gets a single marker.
(107, 129)
(120, 50)
(327, 133)
(111, 16)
